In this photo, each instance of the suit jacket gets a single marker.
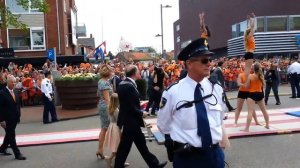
(130, 114)
(219, 75)
(10, 111)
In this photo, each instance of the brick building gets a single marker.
(57, 28)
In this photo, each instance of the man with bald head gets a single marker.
(130, 121)
(10, 113)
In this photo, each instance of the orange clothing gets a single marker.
(255, 85)
(243, 81)
(250, 44)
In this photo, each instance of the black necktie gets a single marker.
(202, 120)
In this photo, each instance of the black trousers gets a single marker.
(48, 108)
(154, 101)
(127, 138)
(294, 81)
(10, 138)
(274, 86)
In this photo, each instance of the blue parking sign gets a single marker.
(50, 54)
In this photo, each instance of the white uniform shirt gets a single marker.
(46, 87)
(182, 124)
(294, 68)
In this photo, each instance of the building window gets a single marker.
(260, 24)
(15, 8)
(276, 23)
(178, 39)
(177, 27)
(294, 23)
(67, 40)
(184, 44)
(29, 39)
(37, 39)
(234, 31)
(243, 27)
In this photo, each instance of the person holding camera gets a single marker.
(48, 96)
(272, 81)
(156, 88)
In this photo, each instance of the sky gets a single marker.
(137, 21)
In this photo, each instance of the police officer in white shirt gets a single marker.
(47, 90)
(294, 75)
(191, 114)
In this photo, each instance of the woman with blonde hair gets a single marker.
(113, 133)
(255, 83)
(104, 92)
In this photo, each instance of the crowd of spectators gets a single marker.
(29, 78)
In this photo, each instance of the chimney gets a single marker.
(91, 35)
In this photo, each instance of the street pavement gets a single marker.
(276, 151)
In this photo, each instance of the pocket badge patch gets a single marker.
(162, 102)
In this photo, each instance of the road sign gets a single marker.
(50, 54)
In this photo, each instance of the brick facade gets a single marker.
(56, 29)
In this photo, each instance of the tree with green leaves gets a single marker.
(8, 18)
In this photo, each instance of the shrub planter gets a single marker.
(77, 94)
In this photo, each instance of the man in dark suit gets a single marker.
(219, 75)
(130, 121)
(10, 117)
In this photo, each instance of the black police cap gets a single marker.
(195, 49)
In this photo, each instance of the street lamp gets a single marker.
(162, 29)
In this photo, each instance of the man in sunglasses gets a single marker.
(191, 114)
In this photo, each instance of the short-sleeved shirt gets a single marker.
(103, 85)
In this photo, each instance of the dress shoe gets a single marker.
(293, 97)
(278, 103)
(4, 152)
(20, 157)
(47, 122)
(162, 164)
(100, 155)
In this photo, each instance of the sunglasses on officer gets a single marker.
(202, 60)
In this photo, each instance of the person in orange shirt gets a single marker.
(249, 43)
(241, 97)
(255, 83)
(205, 33)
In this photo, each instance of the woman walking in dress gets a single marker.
(104, 92)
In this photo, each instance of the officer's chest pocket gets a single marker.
(187, 118)
(215, 114)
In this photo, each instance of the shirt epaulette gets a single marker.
(172, 85)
